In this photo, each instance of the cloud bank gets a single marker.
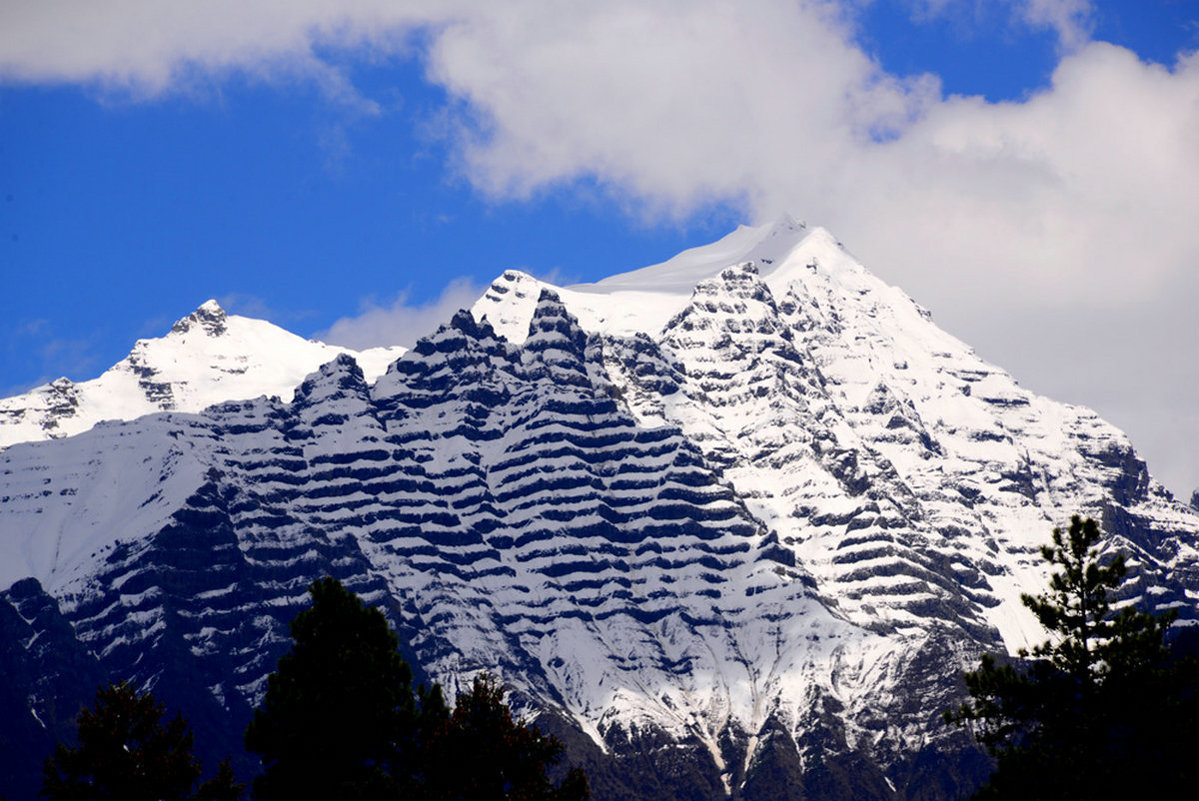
(1035, 229)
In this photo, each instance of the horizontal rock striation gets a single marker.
(737, 541)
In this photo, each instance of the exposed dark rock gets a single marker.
(48, 677)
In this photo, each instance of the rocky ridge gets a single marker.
(737, 540)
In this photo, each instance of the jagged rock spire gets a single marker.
(209, 317)
(555, 342)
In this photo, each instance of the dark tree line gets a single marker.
(1103, 708)
(340, 719)
(125, 752)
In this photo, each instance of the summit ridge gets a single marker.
(207, 357)
(209, 316)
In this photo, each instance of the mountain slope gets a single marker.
(731, 525)
(870, 439)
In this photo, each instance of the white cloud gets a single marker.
(1076, 195)
(1077, 203)
(148, 47)
(675, 102)
(1070, 19)
(1053, 199)
(399, 323)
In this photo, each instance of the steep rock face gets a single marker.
(48, 678)
(207, 357)
(913, 480)
(730, 525)
(498, 501)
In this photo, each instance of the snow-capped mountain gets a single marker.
(207, 357)
(835, 402)
(731, 525)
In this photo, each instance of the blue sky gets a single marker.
(1026, 169)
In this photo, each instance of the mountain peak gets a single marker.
(207, 357)
(785, 223)
(556, 341)
(209, 316)
(767, 244)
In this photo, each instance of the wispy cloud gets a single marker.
(398, 322)
(74, 358)
(35, 342)
(1071, 21)
(248, 306)
(146, 48)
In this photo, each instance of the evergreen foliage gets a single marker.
(507, 759)
(341, 719)
(224, 786)
(125, 752)
(1102, 709)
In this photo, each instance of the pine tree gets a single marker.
(1096, 713)
(224, 786)
(340, 718)
(1090, 643)
(509, 759)
(125, 752)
